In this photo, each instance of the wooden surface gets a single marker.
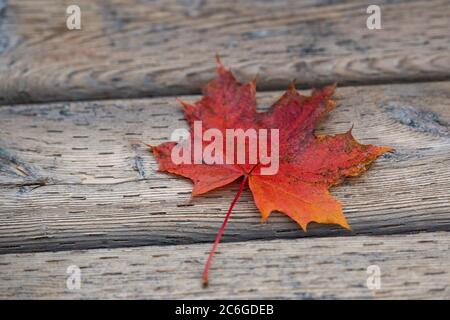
(412, 266)
(75, 176)
(134, 48)
(78, 178)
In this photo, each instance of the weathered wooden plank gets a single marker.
(411, 267)
(72, 175)
(135, 48)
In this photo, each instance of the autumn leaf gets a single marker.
(309, 164)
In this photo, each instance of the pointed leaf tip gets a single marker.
(350, 131)
(220, 66)
(218, 60)
(292, 85)
(186, 105)
(325, 92)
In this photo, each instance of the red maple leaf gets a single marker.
(309, 164)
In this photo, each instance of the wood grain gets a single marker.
(75, 175)
(411, 267)
(140, 48)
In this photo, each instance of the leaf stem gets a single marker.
(219, 234)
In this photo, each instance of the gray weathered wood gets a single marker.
(74, 176)
(139, 48)
(411, 267)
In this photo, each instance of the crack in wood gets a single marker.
(21, 173)
(4, 38)
(414, 117)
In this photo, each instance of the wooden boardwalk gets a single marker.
(78, 188)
